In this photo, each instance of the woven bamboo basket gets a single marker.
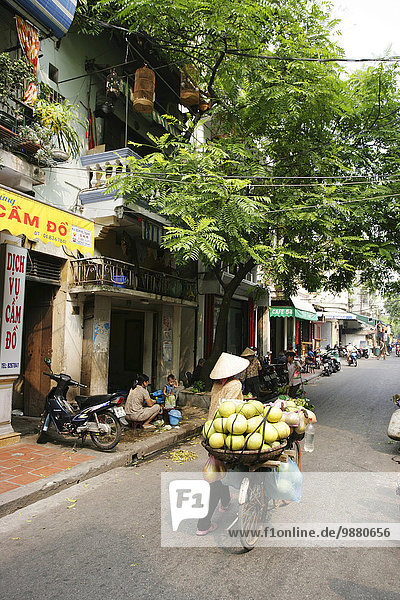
(245, 457)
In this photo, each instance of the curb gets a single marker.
(28, 494)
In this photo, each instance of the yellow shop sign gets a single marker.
(20, 214)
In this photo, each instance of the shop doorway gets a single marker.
(37, 344)
(126, 349)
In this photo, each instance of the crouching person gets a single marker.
(139, 406)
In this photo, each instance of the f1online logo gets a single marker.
(188, 499)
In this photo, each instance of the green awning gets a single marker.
(291, 311)
(365, 319)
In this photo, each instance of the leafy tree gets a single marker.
(302, 179)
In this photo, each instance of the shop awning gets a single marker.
(23, 215)
(51, 16)
(364, 319)
(292, 311)
(337, 315)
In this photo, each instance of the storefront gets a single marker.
(32, 272)
(292, 327)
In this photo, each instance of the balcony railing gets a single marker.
(118, 274)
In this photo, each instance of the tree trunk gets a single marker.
(220, 338)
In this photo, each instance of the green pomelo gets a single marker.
(227, 408)
(274, 415)
(270, 433)
(208, 429)
(282, 429)
(217, 440)
(259, 406)
(253, 424)
(254, 441)
(236, 424)
(249, 410)
(234, 442)
(219, 425)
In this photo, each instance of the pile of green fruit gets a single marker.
(238, 426)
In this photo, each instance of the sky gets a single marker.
(369, 28)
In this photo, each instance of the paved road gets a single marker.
(108, 546)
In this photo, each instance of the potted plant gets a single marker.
(14, 75)
(60, 120)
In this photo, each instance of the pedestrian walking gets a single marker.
(251, 375)
(382, 350)
(294, 373)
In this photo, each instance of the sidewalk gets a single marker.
(30, 472)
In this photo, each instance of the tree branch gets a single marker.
(218, 275)
(214, 72)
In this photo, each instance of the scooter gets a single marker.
(394, 425)
(352, 359)
(334, 356)
(364, 352)
(327, 364)
(98, 416)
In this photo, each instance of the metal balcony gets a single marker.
(119, 275)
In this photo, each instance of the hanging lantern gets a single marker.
(190, 94)
(145, 83)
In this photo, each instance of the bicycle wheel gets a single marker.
(252, 511)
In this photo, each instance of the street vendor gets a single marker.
(251, 375)
(139, 406)
(294, 373)
(226, 385)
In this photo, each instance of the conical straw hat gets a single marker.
(248, 352)
(228, 365)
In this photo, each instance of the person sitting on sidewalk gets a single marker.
(137, 398)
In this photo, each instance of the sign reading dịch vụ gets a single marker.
(37, 220)
(13, 263)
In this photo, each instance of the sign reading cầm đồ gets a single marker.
(13, 261)
(37, 220)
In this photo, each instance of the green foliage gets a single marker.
(14, 75)
(198, 386)
(61, 121)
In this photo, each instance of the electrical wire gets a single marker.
(152, 175)
(244, 54)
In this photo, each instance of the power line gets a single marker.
(307, 59)
(157, 176)
(244, 54)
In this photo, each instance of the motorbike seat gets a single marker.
(86, 401)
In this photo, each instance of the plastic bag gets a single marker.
(214, 469)
(170, 401)
(285, 483)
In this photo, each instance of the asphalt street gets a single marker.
(101, 538)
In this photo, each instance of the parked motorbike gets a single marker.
(327, 364)
(352, 359)
(397, 349)
(394, 424)
(363, 353)
(269, 379)
(98, 416)
(334, 356)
